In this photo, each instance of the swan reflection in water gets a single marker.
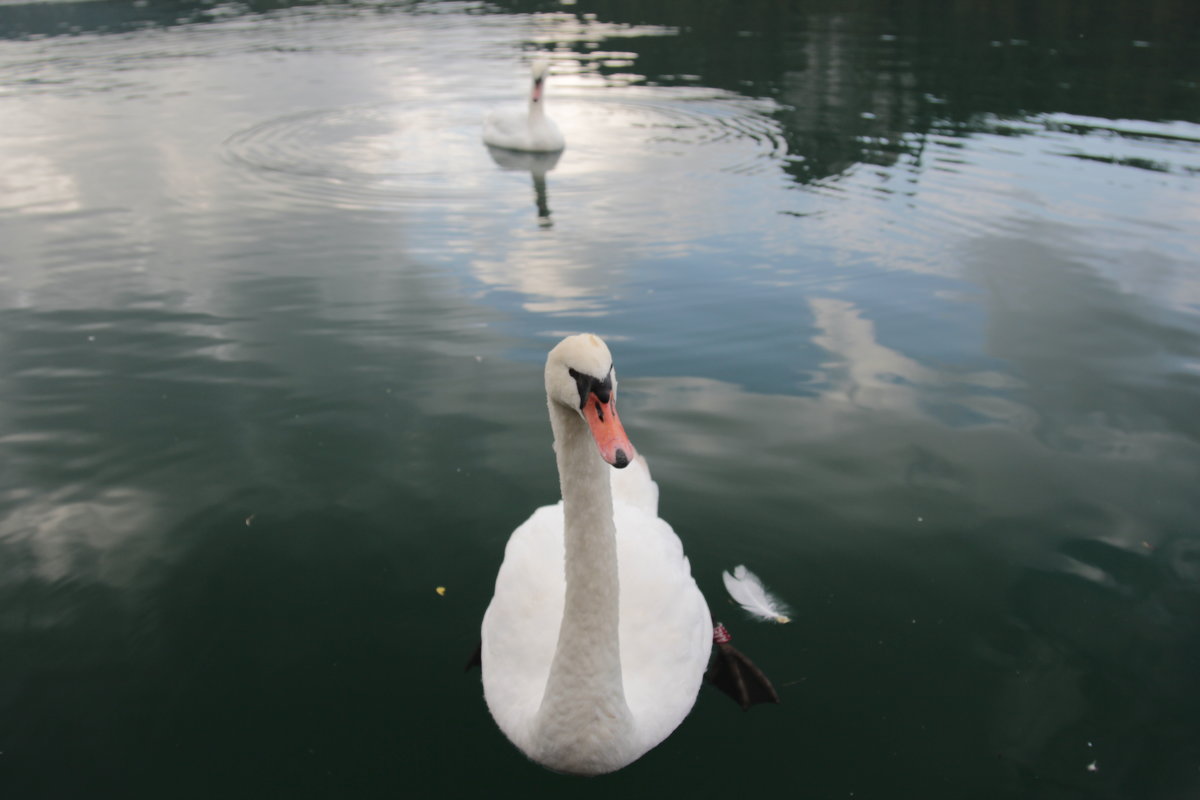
(537, 165)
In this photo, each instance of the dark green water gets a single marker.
(905, 298)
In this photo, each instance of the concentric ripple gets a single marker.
(706, 133)
(394, 155)
(367, 156)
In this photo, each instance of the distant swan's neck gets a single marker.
(583, 709)
(537, 102)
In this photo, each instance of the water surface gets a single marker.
(906, 309)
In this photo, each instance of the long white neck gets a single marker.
(537, 110)
(584, 720)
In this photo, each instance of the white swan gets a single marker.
(519, 129)
(597, 638)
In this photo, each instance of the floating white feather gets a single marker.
(745, 587)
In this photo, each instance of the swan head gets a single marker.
(538, 70)
(580, 376)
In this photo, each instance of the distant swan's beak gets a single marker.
(602, 419)
(537, 90)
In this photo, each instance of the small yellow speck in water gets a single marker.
(441, 590)
(782, 619)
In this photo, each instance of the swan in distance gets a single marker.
(596, 640)
(526, 129)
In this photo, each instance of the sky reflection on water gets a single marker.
(905, 311)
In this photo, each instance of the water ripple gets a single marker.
(365, 156)
(399, 155)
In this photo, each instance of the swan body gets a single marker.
(597, 638)
(528, 129)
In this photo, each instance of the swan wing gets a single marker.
(520, 628)
(665, 627)
(513, 129)
(506, 128)
(634, 486)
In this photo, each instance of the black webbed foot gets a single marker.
(736, 675)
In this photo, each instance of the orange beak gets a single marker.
(602, 419)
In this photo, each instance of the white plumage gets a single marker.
(527, 129)
(583, 670)
(745, 587)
